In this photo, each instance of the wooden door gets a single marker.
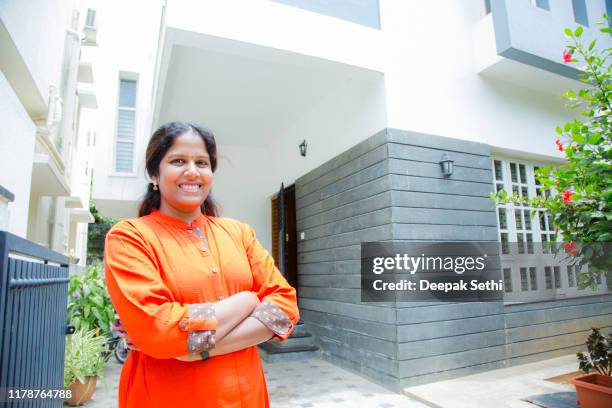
(290, 234)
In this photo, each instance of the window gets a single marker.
(126, 126)
(580, 12)
(531, 270)
(487, 4)
(543, 4)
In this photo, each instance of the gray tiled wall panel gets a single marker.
(363, 195)
(432, 170)
(410, 381)
(335, 268)
(350, 339)
(365, 311)
(348, 169)
(369, 189)
(560, 313)
(365, 358)
(432, 330)
(447, 311)
(439, 200)
(355, 180)
(530, 358)
(377, 233)
(553, 329)
(553, 304)
(440, 186)
(352, 252)
(524, 348)
(460, 359)
(373, 219)
(360, 207)
(406, 215)
(331, 281)
(437, 142)
(424, 154)
(379, 330)
(446, 345)
(425, 232)
(347, 156)
(339, 294)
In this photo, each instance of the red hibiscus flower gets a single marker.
(567, 56)
(567, 196)
(559, 145)
(570, 247)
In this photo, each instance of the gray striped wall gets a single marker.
(390, 187)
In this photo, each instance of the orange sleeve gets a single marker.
(278, 310)
(157, 324)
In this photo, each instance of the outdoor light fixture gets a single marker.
(303, 147)
(447, 165)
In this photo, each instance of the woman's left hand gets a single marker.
(190, 357)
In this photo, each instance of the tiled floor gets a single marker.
(317, 383)
(311, 383)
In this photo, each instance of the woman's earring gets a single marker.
(154, 186)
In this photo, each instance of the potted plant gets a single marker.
(83, 362)
(595, 390)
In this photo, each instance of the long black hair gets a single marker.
(160, 143)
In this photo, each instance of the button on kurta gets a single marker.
(204, 249)
(214, 269)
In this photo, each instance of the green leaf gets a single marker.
(606, 236)
(592, 44)
(578, 31)
(569, 32)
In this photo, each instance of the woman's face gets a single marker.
(185, 177)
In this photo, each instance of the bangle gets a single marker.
(205, 355)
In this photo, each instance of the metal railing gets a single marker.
(33, 300)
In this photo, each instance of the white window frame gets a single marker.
(125, 76)
(539, 259)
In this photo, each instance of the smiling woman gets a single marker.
(195, 292)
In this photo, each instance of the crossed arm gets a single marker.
(236, 330)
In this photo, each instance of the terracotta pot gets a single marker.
(82, 392)
(594, 390)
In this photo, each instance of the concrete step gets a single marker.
(294, 341)
(300, 330)
(293, 356)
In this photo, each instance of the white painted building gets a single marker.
(43, 90)
(268, 75)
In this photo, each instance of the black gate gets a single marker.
(33, 300)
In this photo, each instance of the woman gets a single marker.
(195, 292)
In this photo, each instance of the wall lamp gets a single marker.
(303, 148)
(447, 165)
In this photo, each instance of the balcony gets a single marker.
(522, 42)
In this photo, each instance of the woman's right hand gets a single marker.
(230, 312)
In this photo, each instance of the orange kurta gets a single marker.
(156, 266)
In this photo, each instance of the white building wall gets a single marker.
(39, 37)
(247, 177)
(128, 48)
(17, 152)
(432, 84)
